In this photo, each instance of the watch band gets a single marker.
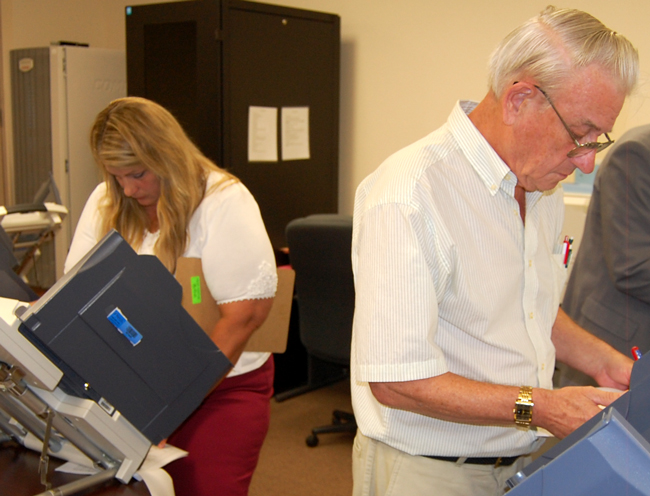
(523, 410)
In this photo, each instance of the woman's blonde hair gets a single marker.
(550, 46)
(138, 132)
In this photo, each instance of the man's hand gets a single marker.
(561, 411)
(615, 371)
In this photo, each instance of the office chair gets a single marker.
(320, 254)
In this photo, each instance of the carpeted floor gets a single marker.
(288, 467)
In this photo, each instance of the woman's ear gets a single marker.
(514, 100)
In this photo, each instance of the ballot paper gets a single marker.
(158, 481)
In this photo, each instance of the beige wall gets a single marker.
(404, 62)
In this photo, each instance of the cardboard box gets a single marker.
(197, 300)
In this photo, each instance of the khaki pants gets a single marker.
(379, 470)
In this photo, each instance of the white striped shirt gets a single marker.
(448, 279)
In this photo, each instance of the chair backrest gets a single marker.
(320, 253)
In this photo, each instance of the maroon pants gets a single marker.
(224, 437)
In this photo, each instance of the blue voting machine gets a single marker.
(607, 455)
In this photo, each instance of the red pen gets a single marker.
(636, 354)
(566, 250)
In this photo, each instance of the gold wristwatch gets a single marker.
(523, 409)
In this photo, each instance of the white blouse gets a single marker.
(226, 232)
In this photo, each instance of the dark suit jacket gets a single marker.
(608, 292)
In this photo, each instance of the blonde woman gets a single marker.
(166, 198)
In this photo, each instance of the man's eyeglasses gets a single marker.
(581, 148)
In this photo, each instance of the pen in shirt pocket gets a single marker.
(567, 250)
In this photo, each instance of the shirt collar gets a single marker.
(492, 170)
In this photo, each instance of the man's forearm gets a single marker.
(576, 347)
(451, 397)
(585, 352)
(456, 399)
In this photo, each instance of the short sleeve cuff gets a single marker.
(401, 372)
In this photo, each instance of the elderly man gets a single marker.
(459, 270)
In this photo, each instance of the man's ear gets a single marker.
(515, 99)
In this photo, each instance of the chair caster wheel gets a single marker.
(312, 440)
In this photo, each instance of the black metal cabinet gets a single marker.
(210, 61)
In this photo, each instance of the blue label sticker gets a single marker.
(117, 318)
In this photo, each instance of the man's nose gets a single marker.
(586, 163)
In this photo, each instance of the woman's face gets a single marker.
(138, 183)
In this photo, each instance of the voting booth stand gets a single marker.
(104, 365)
(609, 454)
(30, 226)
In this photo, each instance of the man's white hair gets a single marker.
(552, 45)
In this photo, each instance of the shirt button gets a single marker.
(543, 366)
(530, 263)
(493, 187)
(530, 315)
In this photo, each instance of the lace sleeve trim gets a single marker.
(263, 286)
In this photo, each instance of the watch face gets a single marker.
(523, 409)
(523, 414)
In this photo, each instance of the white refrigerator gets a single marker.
(57, 91)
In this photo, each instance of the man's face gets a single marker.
(589, 104)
